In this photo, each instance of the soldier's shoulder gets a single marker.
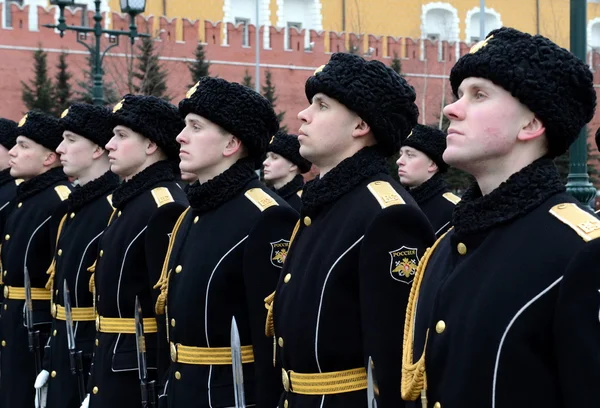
(261, 198)
(385, 193)
(581, 221)
(167, 193)
(451, 197)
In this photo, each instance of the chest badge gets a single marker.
(279, 251)
(403, 264)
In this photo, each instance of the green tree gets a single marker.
(269, 92)
(151, 76)
(62, 86)
(38, 93)
(84, 92)
(396, 64)
(200, 67)
(247, 80)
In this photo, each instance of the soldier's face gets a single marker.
(76, 154)
(486, 126)
(4, 157)
(276, 167)
(414, 167)
(29, 159)
(327, 130)
(127, 152)
(203, 145)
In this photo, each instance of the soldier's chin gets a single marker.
(14, 172)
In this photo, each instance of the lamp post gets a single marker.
(578, 181)
(131, 7)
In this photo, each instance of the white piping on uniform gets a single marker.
(2, 208)
(206, 309)
(441, 228)
(321, 301)
(519, 313)
(77, 279)
(29, 242)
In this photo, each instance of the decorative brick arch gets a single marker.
(496, 18)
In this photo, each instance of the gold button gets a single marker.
(59, 252)
(196, 219)
(56, 292)
(3, 343)
(285, 380)
(119, 213)
(178, 269)
(54, 308)
(461, 248)
(55, 332)
(285, 404)
(53, 374)
(101, 253)
(5, 273)
(172, 322)
(287, 278)
(97, 342)
(7, 237)
(20, 205)
(177, 375)
(437, 405)
(5, 307)
(440, 327)
(95, 390)
(72, 215)
(6, 292)
(173, 352)
(280, 342)
(307, 221)
(97, 323)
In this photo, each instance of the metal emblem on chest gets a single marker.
(403, 264)
(279, 250)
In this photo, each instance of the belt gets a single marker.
(79, 314)
(124, 325)
(336, 382)
(13, 292)
(207, 355)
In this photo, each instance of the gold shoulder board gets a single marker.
(260, 199)
(109, 199)
(63, 192)
(454, 199)
(585, 224)
(385, 194)
(18, 181)
(162, 196)
(299, 193)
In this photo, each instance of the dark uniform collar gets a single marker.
(141, 182)
(290, 188)
(217, 191)
(429, 189)
(5, 176)
(519, 195)
(82, 195)
(39, 183)
(342, 179)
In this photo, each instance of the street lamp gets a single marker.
(131, 7)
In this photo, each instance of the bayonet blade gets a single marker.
(236, 360)
(68, 317)
(28, 302)
(140, 341)
(372, 390)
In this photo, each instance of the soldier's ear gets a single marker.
(433, 167)
(98, 152)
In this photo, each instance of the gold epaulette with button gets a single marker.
(19, 181)
(385, 194)
(299, 193)
(583, 223)
(260, 199)
(453, 198)
(63, 192)
(162, 196)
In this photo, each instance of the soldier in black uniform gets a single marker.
(29, 235)
(421, 168)
(143, 151)
(87, 129)
(507, 312)
(8, 184)
(226, 253)
(345, 283)
(283, 168)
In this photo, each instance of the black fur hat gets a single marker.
(287, 145)
(236, 108)
(552, 82)
(153, 118)
(42, 128)
(8, 133)
(430, 141)
(90, 121)
(374, 91)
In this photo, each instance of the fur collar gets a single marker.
(519, 195)
(212, 194)
(82, 195)
(39, 183)
(429, 189)
(342, 179)
(143, 181)
(290, 188)
(5, 177)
